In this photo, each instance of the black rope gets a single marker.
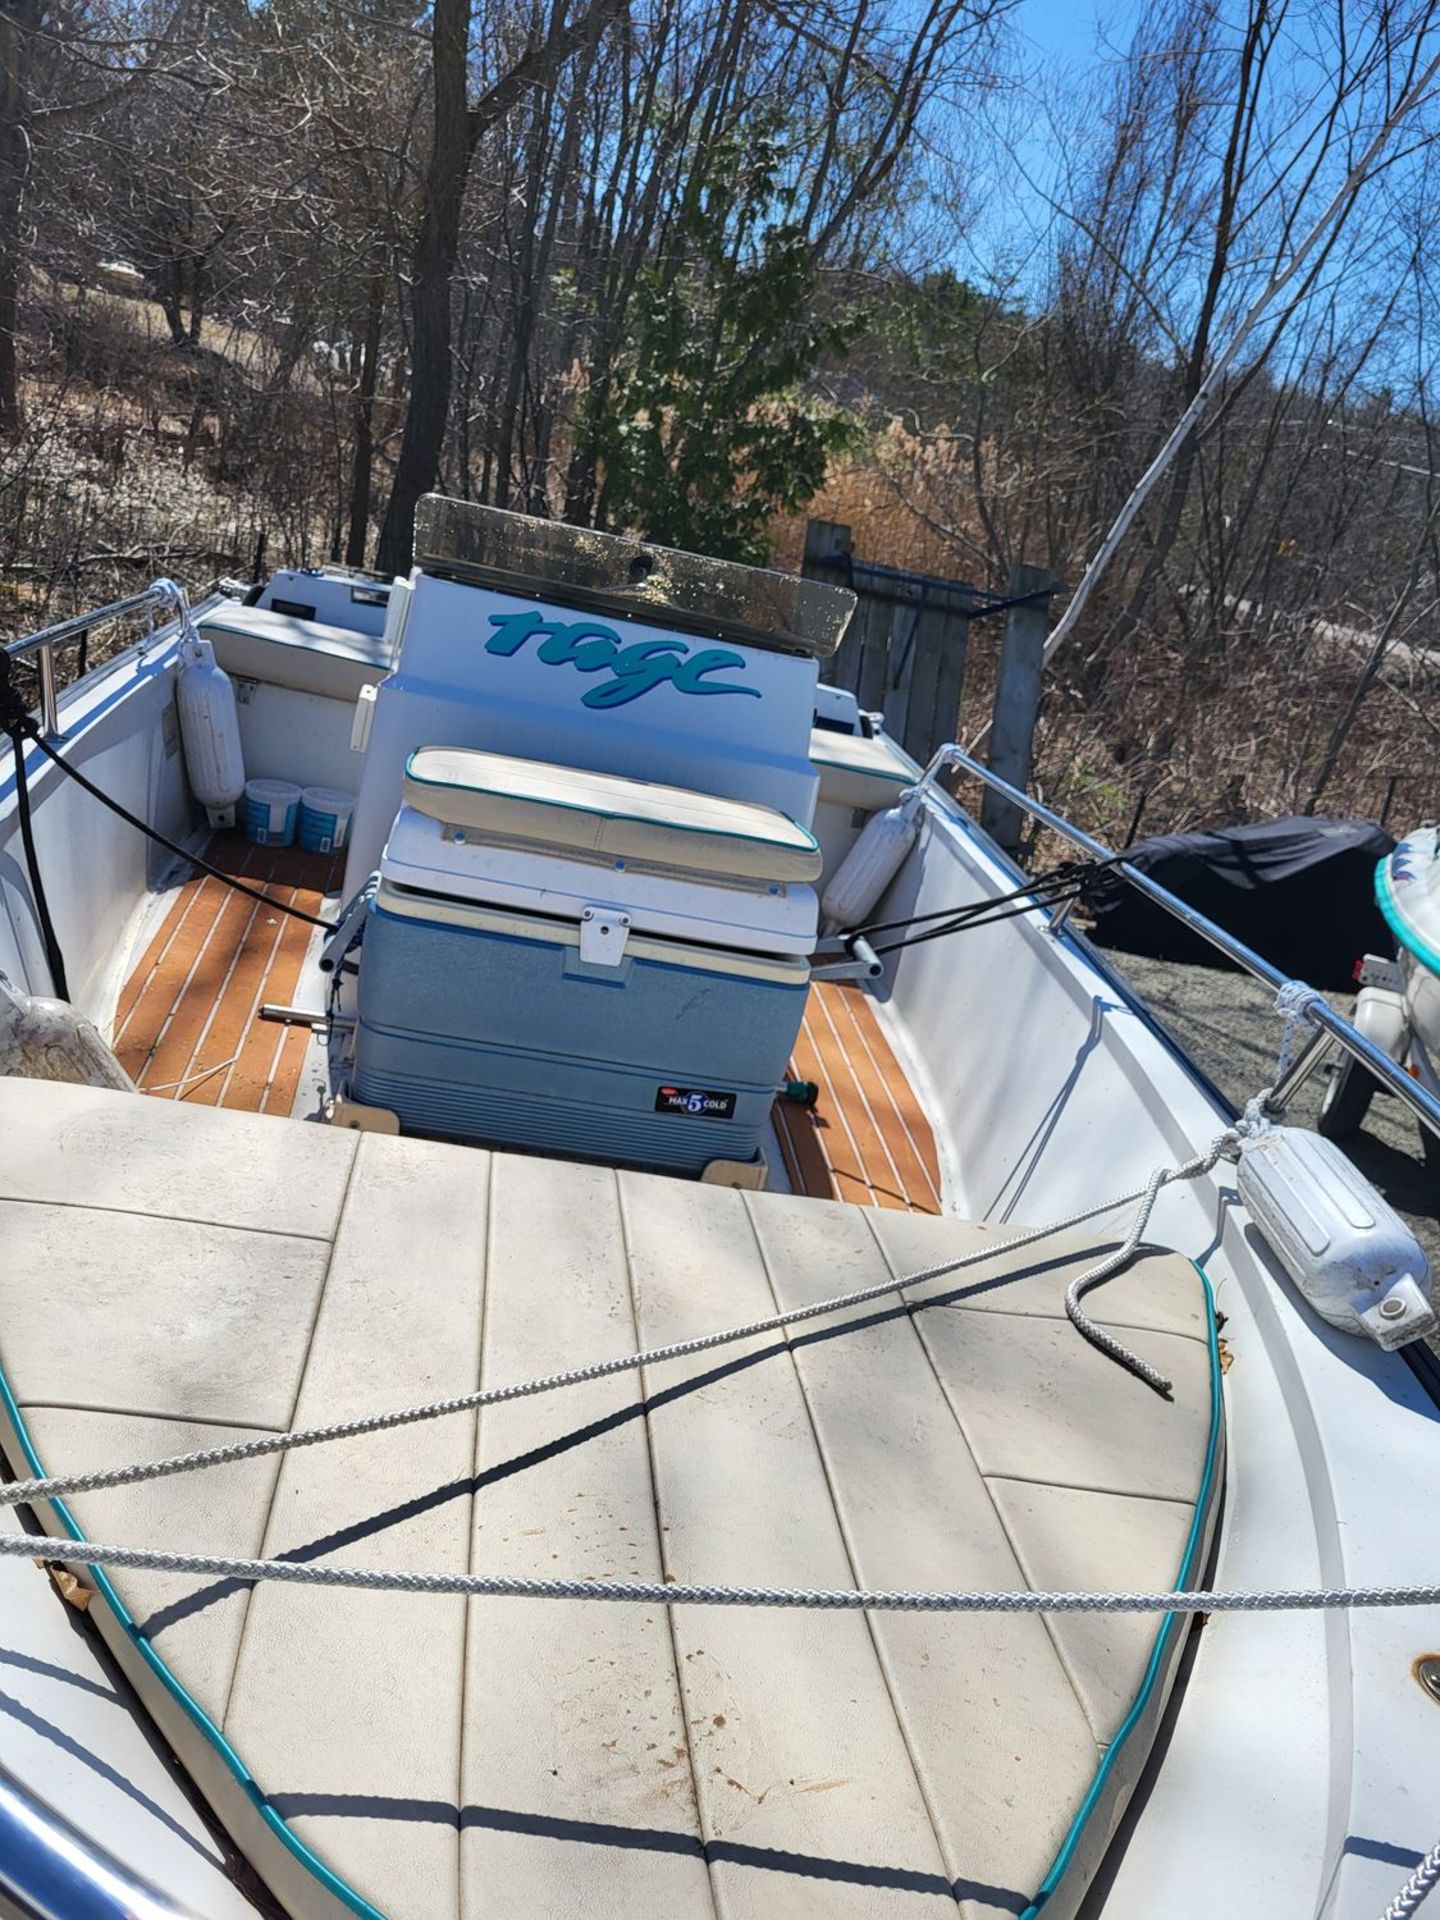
(54, 958)
(1041, 597)
(982, 603)
(963, 924)
(1067, 874)
(16, 720)
(1069, 881)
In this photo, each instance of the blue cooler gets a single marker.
(583, 965)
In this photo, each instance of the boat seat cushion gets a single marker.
(868, 774)
(569, 808)
(256, 643)
(177, 1277)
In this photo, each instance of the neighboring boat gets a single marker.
(652, 995)
(1398, 1004)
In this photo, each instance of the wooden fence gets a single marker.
(904, 656)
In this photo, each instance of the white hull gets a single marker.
(1295, 1779)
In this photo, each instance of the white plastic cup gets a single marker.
(325, 818)
(271, 809)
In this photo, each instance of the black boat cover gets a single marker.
(1301, 892)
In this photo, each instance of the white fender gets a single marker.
(872, 863)
(1346, 1249)
(210, 730)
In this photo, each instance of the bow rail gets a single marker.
(161, 597)
(1332, 1028)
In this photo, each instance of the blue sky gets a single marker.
(1063, 43)
(1069, 30)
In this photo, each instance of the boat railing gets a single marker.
(50, 1870)
(162, 599)
(1330, 1027)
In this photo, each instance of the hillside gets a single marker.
(129, 471)
(696, 273)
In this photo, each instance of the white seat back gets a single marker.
(483, 669)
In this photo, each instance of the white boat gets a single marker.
(831, 1561)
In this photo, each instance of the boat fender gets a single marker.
(44, 1039)
(872, 863)
(210, 730)
(1350, 1254)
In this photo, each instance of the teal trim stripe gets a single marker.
(804, 843)
(1398, 922)
(311, 1862)
(1061, 1863)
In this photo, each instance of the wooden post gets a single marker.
(1017, 700)
(1388, 802)
(829, 548)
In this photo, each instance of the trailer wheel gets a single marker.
(1347, 1100)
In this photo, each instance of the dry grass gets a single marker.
(127, 466)
(896, 522)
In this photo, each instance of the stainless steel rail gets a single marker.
(160, 596)
(50, 1870)
(1320, 1014)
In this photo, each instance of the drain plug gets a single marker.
(1427, 1672)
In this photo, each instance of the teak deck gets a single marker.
(187, 1026)
(866, 1140)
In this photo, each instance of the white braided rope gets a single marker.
(1104, 1269)
(1423, 1881)
(25, 1492)
(1293, 1001)
(659, 1593)
(682, 1594)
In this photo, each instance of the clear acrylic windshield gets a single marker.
(616, 574)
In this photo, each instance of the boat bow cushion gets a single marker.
(555, 807)
(177, 1277)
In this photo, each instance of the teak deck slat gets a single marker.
(866, 1139)
(187, 1024)
(187, 1027)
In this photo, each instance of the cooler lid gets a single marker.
(776, 970)
(755, 916)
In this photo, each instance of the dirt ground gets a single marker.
(1227, 1024)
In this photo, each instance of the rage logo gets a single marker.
(633, 670)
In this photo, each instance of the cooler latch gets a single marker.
(603, 934)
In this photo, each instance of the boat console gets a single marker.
(584, 832)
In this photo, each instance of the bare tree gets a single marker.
(458, 127)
